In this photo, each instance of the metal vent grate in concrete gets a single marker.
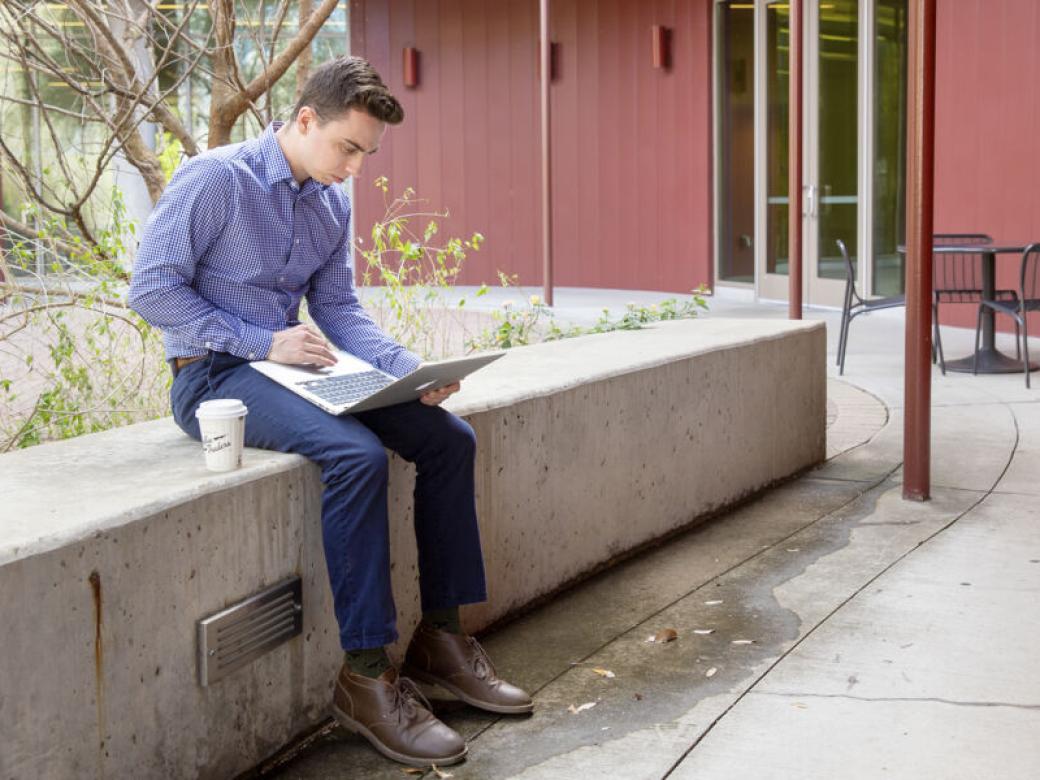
(245, 631)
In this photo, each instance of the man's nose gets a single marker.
(353, 166)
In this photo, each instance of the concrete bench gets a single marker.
(113, 545)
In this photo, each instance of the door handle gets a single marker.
(810, 200)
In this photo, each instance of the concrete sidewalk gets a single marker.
(852, 634)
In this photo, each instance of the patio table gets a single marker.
(991, 360)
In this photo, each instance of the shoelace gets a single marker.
(482, 665)
(406, 696)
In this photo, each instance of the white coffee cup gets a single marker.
(222, 423)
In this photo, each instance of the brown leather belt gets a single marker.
(181, 362)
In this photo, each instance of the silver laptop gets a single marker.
(352, 385)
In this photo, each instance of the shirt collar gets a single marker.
(277, 166)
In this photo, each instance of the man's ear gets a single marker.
(306, 118)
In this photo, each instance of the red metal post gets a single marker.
(794, 162)
(917, 424)
(545, 76)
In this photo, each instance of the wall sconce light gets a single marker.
(661, 55)
(554, 60)
(411, 67)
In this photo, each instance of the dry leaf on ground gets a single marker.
(604, 673)
(637, 696)
(743, 642)
(581, 707)
(713, 602)
(413, 771)
(664, 635)
(710, 672)
(440, 772)
(704, 631)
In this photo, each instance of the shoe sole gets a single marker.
(501, 709)
(354, 727)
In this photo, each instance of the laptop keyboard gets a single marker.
(348, 388)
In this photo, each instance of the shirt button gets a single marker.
(296, 241)
(281, 279)
(252, 356)
(209, 345)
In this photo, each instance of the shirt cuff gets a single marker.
(254, 344)
(404, 363)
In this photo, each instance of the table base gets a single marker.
(991, 361)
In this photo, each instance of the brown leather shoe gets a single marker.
(391, 713)
(459, 664)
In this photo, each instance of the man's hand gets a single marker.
(436, 397)
(301, 345)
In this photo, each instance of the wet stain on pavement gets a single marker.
(658, 685)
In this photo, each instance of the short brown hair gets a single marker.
(345, 83)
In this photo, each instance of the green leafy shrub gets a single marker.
(74, 358)
(515, 326)
(412, 274)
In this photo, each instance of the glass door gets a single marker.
(832, 147)
(771, 149)
(888, 155)
(854, 160)
(735, 142)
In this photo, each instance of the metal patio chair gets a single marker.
(855, 304)
(1026, 300)
(957, 278)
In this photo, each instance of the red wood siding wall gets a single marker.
(632, 145)
(987, 128)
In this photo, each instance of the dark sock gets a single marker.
(444, 619)
(369, 662)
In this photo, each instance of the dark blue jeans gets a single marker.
(350, 451)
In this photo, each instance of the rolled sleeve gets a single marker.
(334, 305)
(188, 218)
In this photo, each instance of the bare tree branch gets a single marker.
(279, 21)
(303, 64)
(228, 105)
(15, 226)
(72, 295)
(110, 46)
(303, 39)
(99, 75)
(53, 109)
(111, 65)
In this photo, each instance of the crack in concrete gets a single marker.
(849, 480)
(750, 690)
(756, 604)
(750, 606)
(885, 699)
(751, 601)
(890, 522)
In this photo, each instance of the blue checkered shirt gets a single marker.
(232, 247)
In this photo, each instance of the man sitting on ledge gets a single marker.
(240, 235)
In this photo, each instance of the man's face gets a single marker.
(334, 150)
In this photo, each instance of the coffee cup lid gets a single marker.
(221, 408)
